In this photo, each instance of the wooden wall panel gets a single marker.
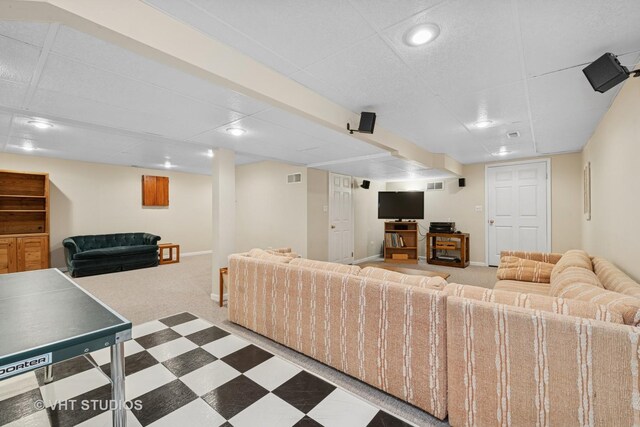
(155, 190)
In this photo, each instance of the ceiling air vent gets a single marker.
(294, 178)
(436, 185)
(512, 135)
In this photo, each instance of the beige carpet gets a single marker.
(152, 293)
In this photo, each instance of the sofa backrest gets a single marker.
(613, 279)
(437, 283)
(326, 266)
(100, 241)
(572, 258)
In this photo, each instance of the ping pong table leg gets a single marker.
(48, 374)
(117, 385)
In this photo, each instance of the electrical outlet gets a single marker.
(478, 208)
(325, 208)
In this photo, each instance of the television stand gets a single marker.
(401, 242)
(450, 249)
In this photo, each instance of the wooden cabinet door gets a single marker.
(155, 190)
(8, 261)
(162, 191)
(33, 253)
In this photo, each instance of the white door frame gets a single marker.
(546, 160)
(352, 225)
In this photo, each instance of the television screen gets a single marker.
(401, 205)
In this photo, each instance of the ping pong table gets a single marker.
(47, 318)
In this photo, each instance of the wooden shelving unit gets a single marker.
(401, 242)
(454, 245)
(24, 221)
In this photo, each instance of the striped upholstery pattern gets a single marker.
(613, 279)
(326, 266)
(550, 258)
(567, 307)
(514, 268)
(523, 287)
(388, 335)
(572, 258)
(627, 306)
(264, 255)
(574, 275)
(523, 367)
(437, 283)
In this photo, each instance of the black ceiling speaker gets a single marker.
(462, 182)
(606, 72)
(365, 184)
(367, 123)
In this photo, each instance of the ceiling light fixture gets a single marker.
(236, 131)
(39, 124)
(421, 34)
(167, 164)
(482, 124)
(502, 152)
(210, 153)
(28, 146)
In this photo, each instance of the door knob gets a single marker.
(491, 221)
(333, 226)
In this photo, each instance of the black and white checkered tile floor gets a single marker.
(185, 371)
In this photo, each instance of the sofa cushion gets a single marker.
(514, 268)
(116, 251)
(524, 287)
(613, 279)
(572, 275)
(565, 306)
(266, 256)
(282, 253)
(626, 305)
(551, 258)
(437, 283)
(326, 266)
(572, 258)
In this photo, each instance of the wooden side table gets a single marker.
(223, 271)
(169, 246)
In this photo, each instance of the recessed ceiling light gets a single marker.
(502, 152)
(421, 34)
(210, 153)
(39, 124)
(483, 124)
(167, 164)
(28, 146)
(236, 131)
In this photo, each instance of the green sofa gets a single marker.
(108, 253)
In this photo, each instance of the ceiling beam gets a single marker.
(146, 31)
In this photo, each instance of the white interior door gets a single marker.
(517, 208)
(340, 219)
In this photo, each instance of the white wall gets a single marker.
(368, 229)
(317, 214)
(91, 198)
(270, 212)
(614, 152)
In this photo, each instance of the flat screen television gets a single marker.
(401, 205)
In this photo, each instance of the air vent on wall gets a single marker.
(512, 135)
(436, 185)
(294, 178)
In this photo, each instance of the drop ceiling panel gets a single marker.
(568, 131)
(367, 75)
(26, 32)
(18, 60)
(425, 120)
(560, 34)
(383, 13)
(105, 56)
(12, 94)
(210, 25)
(477, 47)
(303, 31)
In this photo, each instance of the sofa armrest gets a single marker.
(150, 239)
(529, 367)
(548, 257)
(71, 247)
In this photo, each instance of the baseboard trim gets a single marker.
(216, 297)
(196, 253)
(477, 263)
(369, 258)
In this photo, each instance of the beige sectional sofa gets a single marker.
(480, 356)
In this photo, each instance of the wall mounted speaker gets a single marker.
(462, 182)
(605, 72)
(367, 122)
(365, 184)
